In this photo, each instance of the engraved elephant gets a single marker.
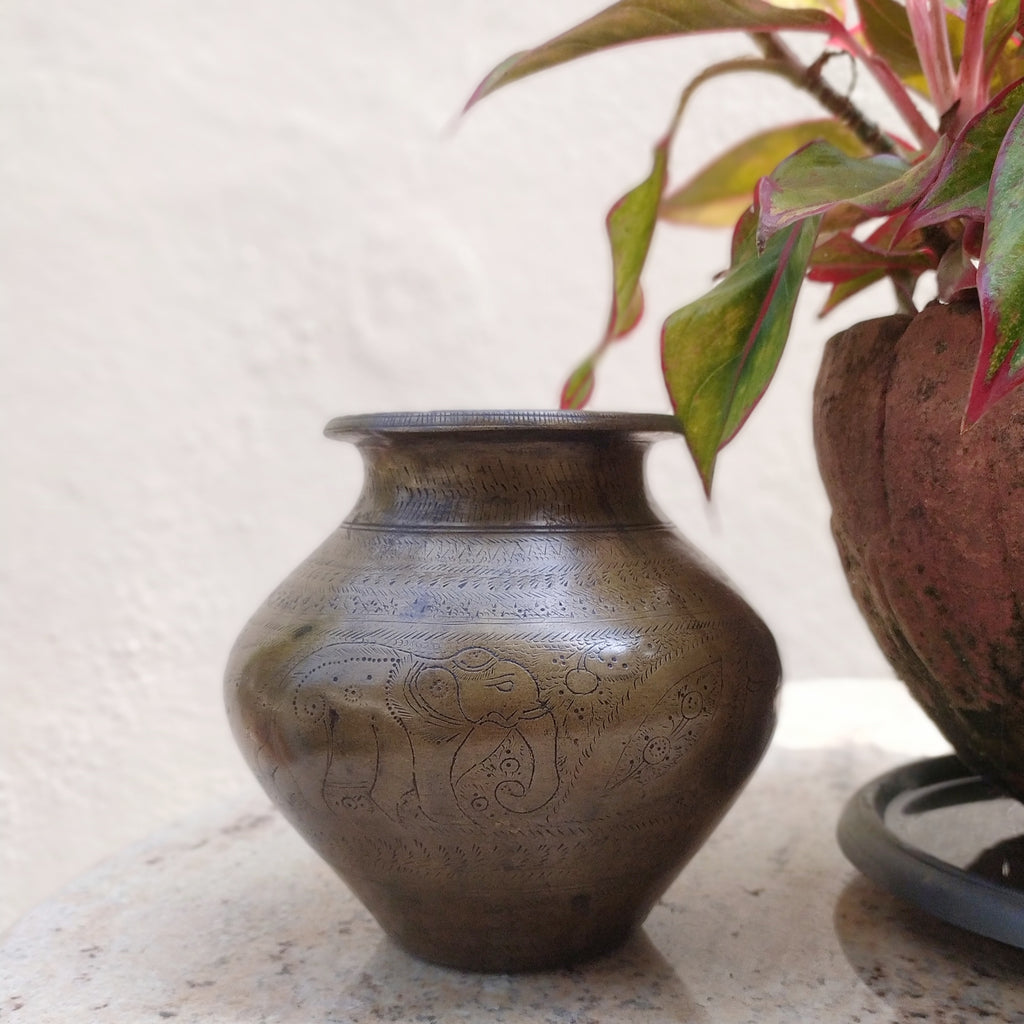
(483, 740)
(462, 737)
(348, 751)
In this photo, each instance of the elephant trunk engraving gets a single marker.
(539, 732)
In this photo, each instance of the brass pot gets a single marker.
(505, 701)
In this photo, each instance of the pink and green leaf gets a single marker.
(1001, 280)
(632, 21)
(743, 246)
(971, 84)
(724, 188)
(631, 222)
(844, 258)
(1002, 22)
(887, 243)
(719, 353)
(956, 272)
(843, 290)
(961, 187)
(931, 39)
(630, 226)
(579, 387)
(819, 177)
(886, 28)
(630, 238)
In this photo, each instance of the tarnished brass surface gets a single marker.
(504, 700)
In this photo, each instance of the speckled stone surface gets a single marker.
(228, 917)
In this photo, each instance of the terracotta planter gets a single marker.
(929, 522)
(505, 701)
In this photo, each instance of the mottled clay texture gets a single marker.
(505, 701)
(929, 521)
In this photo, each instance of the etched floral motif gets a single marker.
(673, 726)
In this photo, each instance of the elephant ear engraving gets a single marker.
(434, 694)
(673, 725)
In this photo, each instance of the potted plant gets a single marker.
(919, 422)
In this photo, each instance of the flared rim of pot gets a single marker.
(493, 420)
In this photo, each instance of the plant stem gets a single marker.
(928, 27)
(903, 285)
(810, 80)
(972, 84)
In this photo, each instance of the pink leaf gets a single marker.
(1000, 366)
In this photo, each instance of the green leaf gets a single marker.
(630, 225)
(850, 264)
(634, 20)
(1001, 23)
(955, 273)
(960, 188)
(843, 258)
(820, 177)
(580, 385)
(837, 7)
(842, 255)
(843, 290)
(887, 29)
(744, 237)
(1011, 65)
(720, 352)
(723, 189)
(1001, 280)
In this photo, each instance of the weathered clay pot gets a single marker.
(930, 522)
(504, 701)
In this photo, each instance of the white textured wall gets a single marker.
(223, 222)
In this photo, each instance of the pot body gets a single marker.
(929, 521)
(504, 700)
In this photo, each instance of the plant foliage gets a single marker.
(838, 200)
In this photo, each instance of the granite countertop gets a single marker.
(229, 917)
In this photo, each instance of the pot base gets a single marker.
(492, 935)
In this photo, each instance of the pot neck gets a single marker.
(574, 474)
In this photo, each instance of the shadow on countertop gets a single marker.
(923, 967)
